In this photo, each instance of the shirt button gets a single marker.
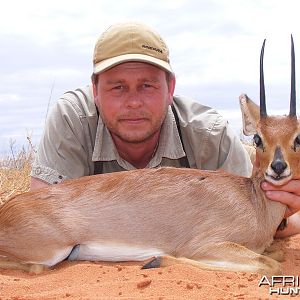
(38, 171)
(60, 177)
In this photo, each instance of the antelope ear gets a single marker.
(250, 115)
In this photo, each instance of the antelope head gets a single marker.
(277, 138)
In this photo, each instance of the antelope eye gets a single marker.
(297, 141)
(257, 140)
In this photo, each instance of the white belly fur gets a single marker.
(112, 252)
(59, 256)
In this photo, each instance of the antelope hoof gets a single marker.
(153, 263)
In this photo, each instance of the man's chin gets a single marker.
(135, 138)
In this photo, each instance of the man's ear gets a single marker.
(250, 115)
(171, 87)
(95, 92)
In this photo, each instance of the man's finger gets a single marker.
(292, 186)
(291, 200)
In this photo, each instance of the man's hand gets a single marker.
(36, 183)
(288, 194)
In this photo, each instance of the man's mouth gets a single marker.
(133, 120)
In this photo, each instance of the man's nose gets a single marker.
(133, 99)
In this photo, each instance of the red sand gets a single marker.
(86, 280)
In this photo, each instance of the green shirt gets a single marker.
(74, 138)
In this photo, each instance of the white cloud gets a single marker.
(12, 98)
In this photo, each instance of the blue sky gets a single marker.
(47, 46)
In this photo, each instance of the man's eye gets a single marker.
(118, 87)
(145, 85)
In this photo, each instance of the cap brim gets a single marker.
(111, 62)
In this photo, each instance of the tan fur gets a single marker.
(272, 130)
(209, 219)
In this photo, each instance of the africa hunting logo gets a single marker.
(281, 285)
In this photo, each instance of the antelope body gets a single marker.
(209, 219)
(167, 211)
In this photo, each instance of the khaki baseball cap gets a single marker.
(130, 42)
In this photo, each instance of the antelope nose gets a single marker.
(278, 166)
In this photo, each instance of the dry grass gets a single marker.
(15, 174)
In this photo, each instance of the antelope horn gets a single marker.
(263, 110)
(293, 81)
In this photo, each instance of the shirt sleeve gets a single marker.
(232, 155)
(61, 153)
(210, 143)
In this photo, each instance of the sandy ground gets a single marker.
(87, 280)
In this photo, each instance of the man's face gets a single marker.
(133, 99)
